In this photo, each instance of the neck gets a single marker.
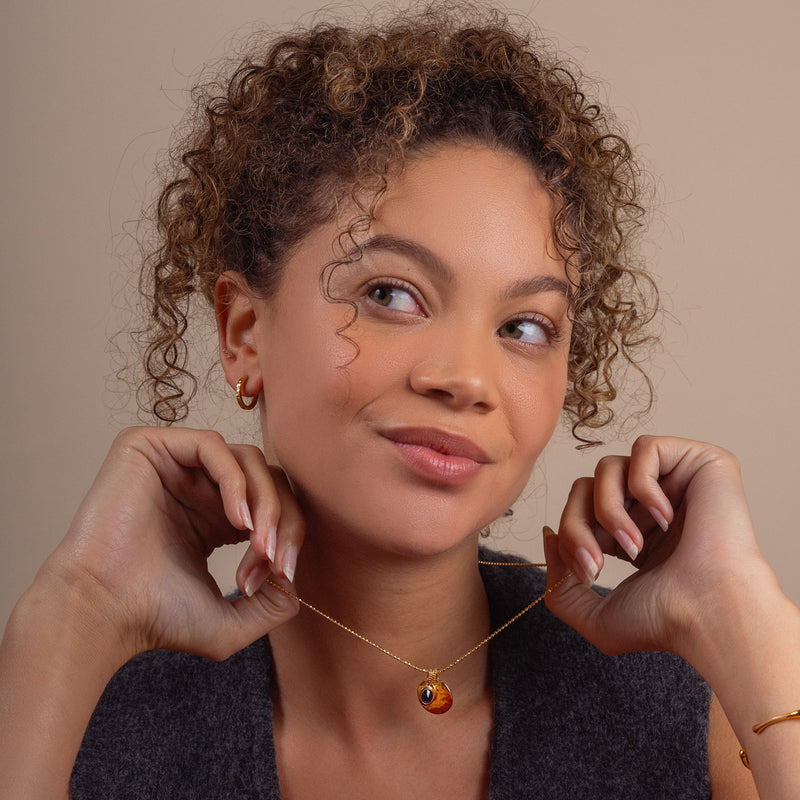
(428, 610)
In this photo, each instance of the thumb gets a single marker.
(557, 570)
(250, 618)
(568, 598)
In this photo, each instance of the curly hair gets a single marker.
(321, 116)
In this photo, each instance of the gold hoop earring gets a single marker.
(240, 398)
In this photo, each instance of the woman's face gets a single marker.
(419, 424)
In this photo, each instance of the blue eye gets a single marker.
(528, 331)
(393, 297)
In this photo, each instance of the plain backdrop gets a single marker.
(91, 90)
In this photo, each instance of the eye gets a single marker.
(397, 298)
(528, 331)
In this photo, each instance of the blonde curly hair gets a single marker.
(320, 116)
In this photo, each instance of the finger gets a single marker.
(557, 570)
(219, 462)
(202, 503)
(263, 499)
(611, 501)
(654, 479)
(252, 571)
(577, 543)
(279, 523)
(172, 451)
(710, 475)
(567, 595)
(652, 458)
(291, 529)
(246, 619)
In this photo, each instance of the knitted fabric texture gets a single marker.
(568, 721)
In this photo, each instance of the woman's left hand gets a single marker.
(677, 509)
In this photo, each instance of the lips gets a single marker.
(437, 455)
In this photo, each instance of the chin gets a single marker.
(430, 543)
(400, 516)
(426, 530)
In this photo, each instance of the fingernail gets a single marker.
(587, 566)
(244, 511)
(272, 538)
(627, 544)
(659, 518)
(256, 577)
(290, 562)
(548, 531)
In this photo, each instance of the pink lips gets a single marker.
(437, 455)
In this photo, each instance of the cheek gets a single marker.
(299, 357)
(374, 367)
(316, 381)
(537, 403)
(303, 350)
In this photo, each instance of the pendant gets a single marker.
(434, 695)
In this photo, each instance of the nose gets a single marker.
(460, 375)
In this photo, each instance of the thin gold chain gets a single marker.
(480, 644)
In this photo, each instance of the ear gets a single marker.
(234, 307)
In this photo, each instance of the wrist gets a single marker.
(89, 615)
(73, 617)
(58, 652)
(747, 646)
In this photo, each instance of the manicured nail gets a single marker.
(659, 518)
(256, 577)
(587, 565)
(627, 544)
(290, 562)
(244, 511)
(272, 539)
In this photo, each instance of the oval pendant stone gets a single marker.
(434, 695)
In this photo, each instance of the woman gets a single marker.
(416, 243)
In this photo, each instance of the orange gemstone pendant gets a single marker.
(434, 695)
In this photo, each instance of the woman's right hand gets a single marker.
(131, 575)
(163, 500)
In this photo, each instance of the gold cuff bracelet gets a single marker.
(761, 727)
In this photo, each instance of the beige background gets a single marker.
(91, 89)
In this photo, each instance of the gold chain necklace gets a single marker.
(433, 694)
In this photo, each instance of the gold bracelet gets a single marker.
(762, 726)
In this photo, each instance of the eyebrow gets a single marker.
(418, 252)
(536, 284)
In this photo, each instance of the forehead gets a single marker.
(474, 207)
(477, 213)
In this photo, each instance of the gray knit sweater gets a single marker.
(569, 722)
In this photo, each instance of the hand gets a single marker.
(163, 500)
(677, 509)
